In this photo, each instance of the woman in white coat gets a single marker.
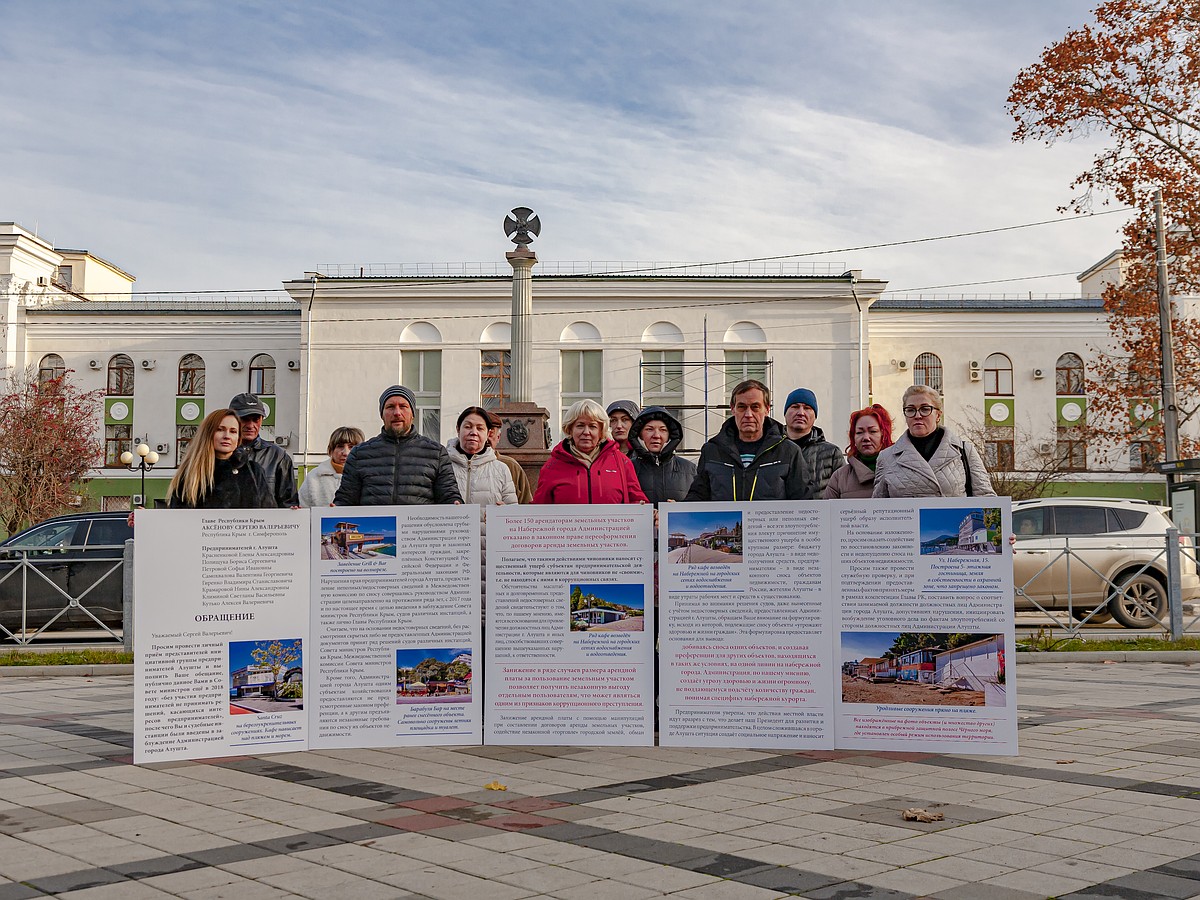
(322, 482)
(930, 460)
(481, 477)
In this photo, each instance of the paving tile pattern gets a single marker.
(1103, 801)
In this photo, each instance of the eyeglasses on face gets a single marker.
(911, 412)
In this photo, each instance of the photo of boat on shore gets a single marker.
(367, 537)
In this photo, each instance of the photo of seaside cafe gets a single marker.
(433, 688)
(597, 615)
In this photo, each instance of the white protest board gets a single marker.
(221, 624)
(570, 625)
(396, 625)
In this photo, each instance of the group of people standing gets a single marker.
(621, 454)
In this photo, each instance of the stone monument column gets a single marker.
(522, 261)
(525, 435)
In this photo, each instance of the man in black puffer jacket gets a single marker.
(654, 438)
(397, 466)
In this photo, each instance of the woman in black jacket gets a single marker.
(216, 473)
(654, 438)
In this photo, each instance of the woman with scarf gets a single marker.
(587, 466)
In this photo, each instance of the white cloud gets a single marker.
(217, 173)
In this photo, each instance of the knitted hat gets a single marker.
(626, 406)
(398, 390)
(801, 395)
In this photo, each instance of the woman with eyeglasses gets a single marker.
(929, 460)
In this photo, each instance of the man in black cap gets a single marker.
(398, 465)
(274, 460)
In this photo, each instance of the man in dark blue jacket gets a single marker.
(399, 465)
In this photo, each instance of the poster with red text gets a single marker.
(570, 625)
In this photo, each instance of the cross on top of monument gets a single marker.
(522, 226)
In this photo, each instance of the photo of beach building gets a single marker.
(960, 531)
(607, 607)
(437, 675)
(367, 537)
(923, 669)
(704, 537)
(266, 676)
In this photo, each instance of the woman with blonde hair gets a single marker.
(587, 466)
(216, 472)
(929, 460)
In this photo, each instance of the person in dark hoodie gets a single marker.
(663, 475)
(216, 473)
(751, 457)
(823, 457)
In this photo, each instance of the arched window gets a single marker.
(1142, 383)
(51, 367)
(927, 370)
(998, 376)
(581, 332)
(1143, 455)
(1068, 375)
(191, 376)
(120, 376)
(262, 376)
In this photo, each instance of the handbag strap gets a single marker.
(962, 450)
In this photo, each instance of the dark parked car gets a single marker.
(65, 559)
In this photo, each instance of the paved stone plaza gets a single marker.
(1103, 801)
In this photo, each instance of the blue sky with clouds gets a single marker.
(236, 145)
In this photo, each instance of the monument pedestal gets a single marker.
(525, 436)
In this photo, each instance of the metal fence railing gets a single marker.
(45, 591)
(1142, 582)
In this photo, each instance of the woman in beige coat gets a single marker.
(930, 460)
(870, 433)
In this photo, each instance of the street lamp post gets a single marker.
(147, 459)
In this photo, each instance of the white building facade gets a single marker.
(1011, 369)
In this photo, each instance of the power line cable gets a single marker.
(664, 268)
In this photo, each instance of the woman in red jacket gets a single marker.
(587, 467)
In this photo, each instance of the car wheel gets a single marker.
(1139, 602)
(1094, 617)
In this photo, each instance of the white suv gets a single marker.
(1116, 566)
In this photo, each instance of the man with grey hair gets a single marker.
(397, 466)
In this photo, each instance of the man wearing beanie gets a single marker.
(800, 416)
(273, 459)
(398, 466)
(621, 414)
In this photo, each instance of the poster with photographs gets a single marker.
(221, 625)
(570, 636)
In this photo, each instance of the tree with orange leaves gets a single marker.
(1134, 76)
